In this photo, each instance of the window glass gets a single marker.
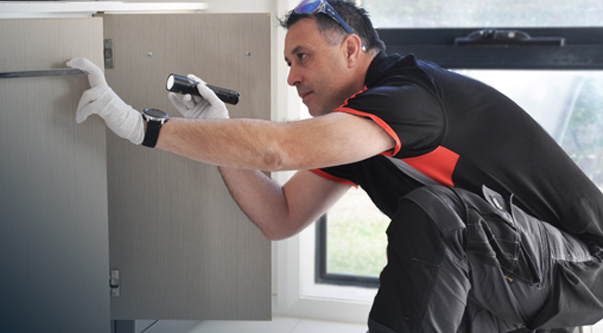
(356, 237)
(569, 106)
(483, 13)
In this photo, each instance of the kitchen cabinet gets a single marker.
(78, 205)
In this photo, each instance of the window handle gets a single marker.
(498, 37)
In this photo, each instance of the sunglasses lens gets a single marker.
(307, 6)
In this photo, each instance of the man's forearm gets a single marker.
(245, 143)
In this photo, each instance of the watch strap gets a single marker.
(152, 133)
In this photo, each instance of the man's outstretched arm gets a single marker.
(250, 144)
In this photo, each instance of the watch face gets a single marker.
(155, 113)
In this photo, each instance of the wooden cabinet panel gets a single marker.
(53, 184)
(183, 247)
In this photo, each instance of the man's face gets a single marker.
(318, 70)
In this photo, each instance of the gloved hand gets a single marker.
(207, 107)
(100, 99)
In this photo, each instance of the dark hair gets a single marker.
(355, 17)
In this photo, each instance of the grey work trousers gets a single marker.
(459, 262)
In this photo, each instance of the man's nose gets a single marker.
(294, 78)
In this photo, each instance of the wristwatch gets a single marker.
(155, 119)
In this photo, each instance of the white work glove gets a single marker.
(207, 107)
(100, 99)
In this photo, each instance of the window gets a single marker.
(352, 250)
(483, 13)
(555, 73)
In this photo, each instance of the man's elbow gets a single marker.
(274, 159)
(280, 231)
(276, 235)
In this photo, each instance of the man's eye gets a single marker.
(301, 56)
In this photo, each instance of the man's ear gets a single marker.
(352, 48)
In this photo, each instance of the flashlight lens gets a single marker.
(170, 82)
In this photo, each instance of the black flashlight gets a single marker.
(184, 85)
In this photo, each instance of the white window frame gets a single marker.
(297, 293)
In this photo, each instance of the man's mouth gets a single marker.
(304, 94)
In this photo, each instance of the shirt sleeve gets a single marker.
(411, 114)
(340, 174)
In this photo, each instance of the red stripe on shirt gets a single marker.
(333, 178)
(438, 165)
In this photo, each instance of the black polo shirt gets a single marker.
(460, 132)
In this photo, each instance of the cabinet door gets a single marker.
(54, 252)
(183, 248)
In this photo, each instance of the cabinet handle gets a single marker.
(41, 73)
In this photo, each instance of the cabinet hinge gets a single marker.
(114, 283)
(108, 52)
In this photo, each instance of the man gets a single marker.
(494, 228)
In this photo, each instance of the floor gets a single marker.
(597, 328)
(278, 325)
(296, 325)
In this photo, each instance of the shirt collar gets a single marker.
(375, 68)
(383, 62)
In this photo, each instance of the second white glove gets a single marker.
(207, 107)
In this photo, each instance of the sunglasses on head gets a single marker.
(323, 7)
